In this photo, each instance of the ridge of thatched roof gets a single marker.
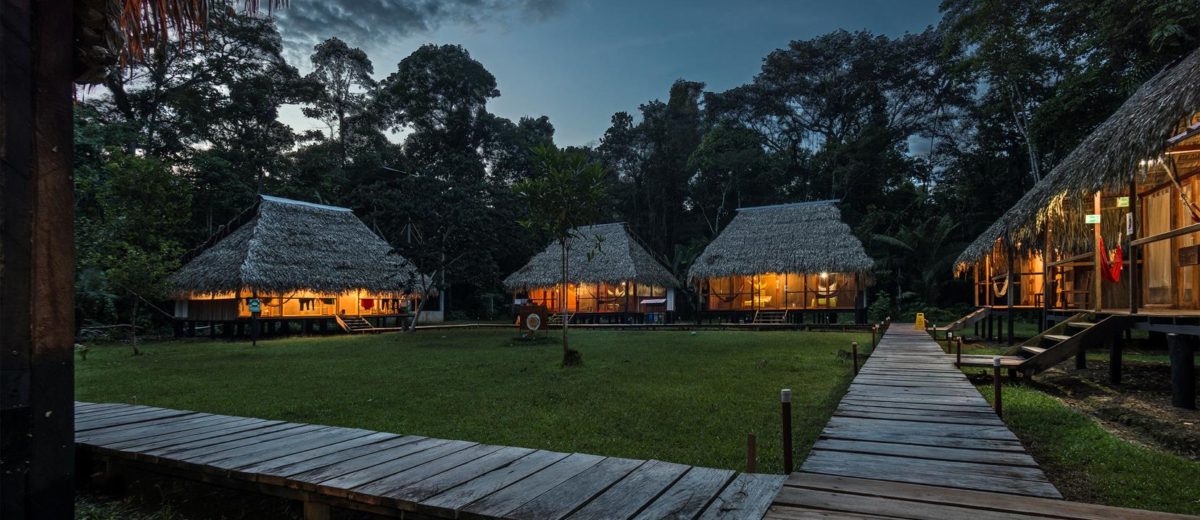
(803, 237)
(1107, 159)
(616, 256)
(280, 245)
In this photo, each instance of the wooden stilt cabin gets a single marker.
(1115, 228)
(778, 264)
(612, 278)
(311, 264)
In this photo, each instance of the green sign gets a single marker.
(1091, 219)
(1122, 202)
(255, 306)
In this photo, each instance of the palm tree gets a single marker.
(566, 192)
(922, 255)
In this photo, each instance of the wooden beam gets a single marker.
(1135, 281)
(36, 282)
(1097, 286)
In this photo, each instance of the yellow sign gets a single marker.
(920, 321)
(1122, 202)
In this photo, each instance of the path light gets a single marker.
(996, 383)
(785, 404)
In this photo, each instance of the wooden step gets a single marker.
(1058, 338)
(1033, 350)
(1081, 324)
(986, 361)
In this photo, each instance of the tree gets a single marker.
(344, 78)
(730, 169)
(567, 192)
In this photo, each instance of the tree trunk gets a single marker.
(133, 326)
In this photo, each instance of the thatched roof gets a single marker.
(281, 245)
(805, 237)
(1107, 160)
(620, 257)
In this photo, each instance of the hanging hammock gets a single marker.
(1111, 262)
(1187, 203)
(998, 290)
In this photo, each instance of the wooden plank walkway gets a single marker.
(913, 438)
(406, 475)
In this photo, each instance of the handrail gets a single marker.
(1068, 260)
(1165, 235)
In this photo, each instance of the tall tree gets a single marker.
(567, 192)
(343, 75)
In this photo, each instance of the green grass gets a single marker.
(1088, 463)
(676, 396)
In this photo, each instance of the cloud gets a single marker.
(373, 23)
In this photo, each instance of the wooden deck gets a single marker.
(409, 475)
(914, 439)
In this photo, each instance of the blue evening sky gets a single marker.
(580, 61)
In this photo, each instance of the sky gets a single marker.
(580, 61)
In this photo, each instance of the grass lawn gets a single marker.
(670, 395)
(1088, 463)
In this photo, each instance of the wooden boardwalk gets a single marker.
(914, 439)
(408, 475)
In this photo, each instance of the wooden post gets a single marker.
(37, 308)
(1047, 282)
(1097, 287)
(1183, 370)
(316, 510)
(997, 400)
(874, 333)
(958, 353)
(1114, 361)
(1009, 295)
(854, 354)
(751, 453)
(1135, 281)
(785, 402)
(949, 341)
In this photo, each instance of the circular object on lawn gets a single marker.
(533, 321)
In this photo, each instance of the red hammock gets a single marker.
(1111, 262)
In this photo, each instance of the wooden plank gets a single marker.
(338, 463)
(747, 497)
(341, 485)
(631, 493)
(1006, 479)
(311, 478)
(295, 444)
(566, 497)
(927, 419)
(390, 484)
(975, 499)
(175, 439)
(455, 498)
(206, 455)
(803, 513)
(133, 418)
(839, 425)
(212, 444)
(689, 495)
(870, 505)
(275, 464)
(422, 490)
(500, 503)
(151, 429)
(1011, 458)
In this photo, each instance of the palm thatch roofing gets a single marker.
(1107, 160)
(602, 253)
(278, 246)
(804, 237)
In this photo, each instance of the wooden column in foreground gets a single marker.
(1097, 280)
(37, 329)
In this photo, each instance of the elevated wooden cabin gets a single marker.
(1132, 184)
(302, 261)
(612, 278)
(778, 263)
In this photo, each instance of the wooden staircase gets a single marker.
(959, 324)
(769, 317)
(355, 324)
(1057, 344)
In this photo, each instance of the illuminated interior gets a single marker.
(602, 297)
(781, 291)
(218, 306)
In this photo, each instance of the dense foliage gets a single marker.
(925, 137)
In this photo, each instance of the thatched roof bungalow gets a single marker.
(299, 259)
(609, 271)
(1136, 172)
(786, 257)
